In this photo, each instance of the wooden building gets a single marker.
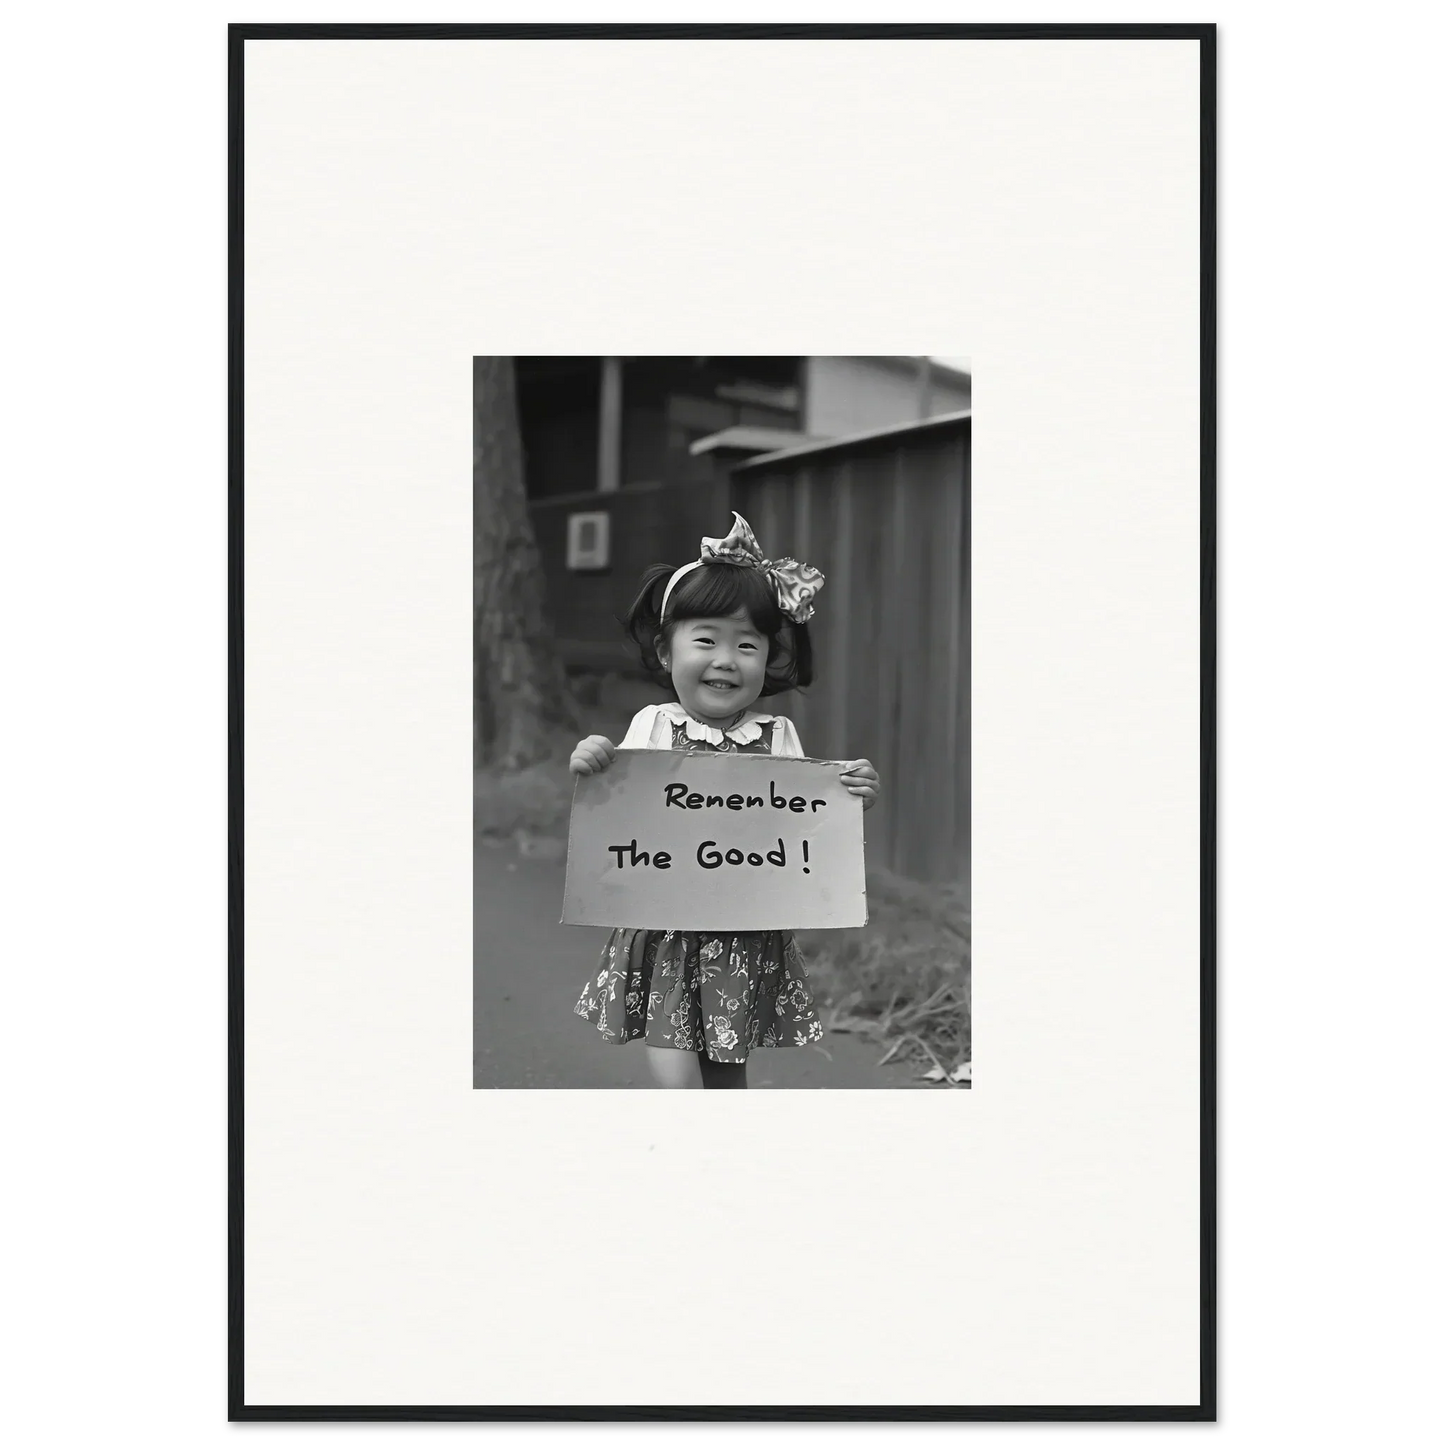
(629, 459)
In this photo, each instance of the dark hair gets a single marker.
(718, 589)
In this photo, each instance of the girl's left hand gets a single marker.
(862, 781)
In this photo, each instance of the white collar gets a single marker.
(749, 730)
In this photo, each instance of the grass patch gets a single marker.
(904, 981)
(529, 801)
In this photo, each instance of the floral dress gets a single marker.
(715, 993)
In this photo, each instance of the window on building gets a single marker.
(557, 400)
(668, 403)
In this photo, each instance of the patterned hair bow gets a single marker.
(795, 584)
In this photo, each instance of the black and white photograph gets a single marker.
(724, 557)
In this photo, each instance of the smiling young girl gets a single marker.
(719, 634)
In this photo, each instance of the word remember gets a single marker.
(676, 795)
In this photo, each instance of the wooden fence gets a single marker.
(886, 518)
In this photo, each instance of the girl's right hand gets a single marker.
(591, 755)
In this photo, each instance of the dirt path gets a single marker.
(528, 971)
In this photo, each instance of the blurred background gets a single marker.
(588, 469)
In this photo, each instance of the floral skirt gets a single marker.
(715, 993)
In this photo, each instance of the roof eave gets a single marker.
(944, 421)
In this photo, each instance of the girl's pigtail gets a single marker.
(644, 617)
(803, 655)
(791, 664)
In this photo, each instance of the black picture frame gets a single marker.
(1205, 1410)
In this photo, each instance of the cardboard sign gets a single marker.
(715, 842)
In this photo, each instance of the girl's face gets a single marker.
(718, 664)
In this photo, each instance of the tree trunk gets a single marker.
(519, 688)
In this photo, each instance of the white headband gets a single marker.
(672, 582)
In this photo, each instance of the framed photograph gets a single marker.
(640, 685)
